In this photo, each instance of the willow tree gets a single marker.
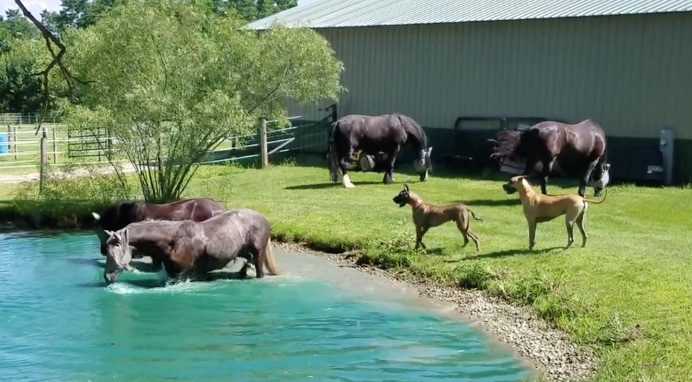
(170, 80)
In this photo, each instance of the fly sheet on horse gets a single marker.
(387, 134)
(122, 213)
(577, 150)
(189, 249)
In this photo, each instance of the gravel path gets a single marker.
(548, 348)
(32, 176)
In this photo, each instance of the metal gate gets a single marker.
(96, 143)
(302, 136)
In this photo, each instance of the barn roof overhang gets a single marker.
(362, 13)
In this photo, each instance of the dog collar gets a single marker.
(417, 203)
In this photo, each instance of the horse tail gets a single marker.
(598, 201)
(413, 128)
(474, 216)
(269, 260)
(507, 143)
(333, 156)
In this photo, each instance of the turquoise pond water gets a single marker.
(59, 322)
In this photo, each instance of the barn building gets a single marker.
(461, 67)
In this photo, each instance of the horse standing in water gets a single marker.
(374, 134)
(188, 249)
(120, 214)
(576, 150)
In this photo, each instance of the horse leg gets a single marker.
(585, 179)
(545, 172)
(390, 166)
(257, 261)
(343, 164)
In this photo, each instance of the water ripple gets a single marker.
(60, 322)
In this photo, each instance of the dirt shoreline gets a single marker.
(546, 347)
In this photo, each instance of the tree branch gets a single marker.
(271, 93)
(51, 40)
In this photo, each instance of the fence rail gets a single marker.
(21, 146)
(25, 119)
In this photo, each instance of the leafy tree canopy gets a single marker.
(171, 80)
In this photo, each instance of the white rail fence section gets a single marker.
(21, 147)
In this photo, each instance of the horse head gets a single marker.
(600, 177)
(118, 254)
(424, 164)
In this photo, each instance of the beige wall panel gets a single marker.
(632, 74)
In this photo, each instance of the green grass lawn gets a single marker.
(628, 293)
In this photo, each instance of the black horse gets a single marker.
(575, 150)
(387, 133)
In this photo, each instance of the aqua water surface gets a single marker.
(59, 322)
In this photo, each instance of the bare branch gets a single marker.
(57, 59)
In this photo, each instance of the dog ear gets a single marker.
(406, 187)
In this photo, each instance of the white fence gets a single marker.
(22, 147)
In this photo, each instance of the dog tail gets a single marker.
(598, 201)
(474, 216)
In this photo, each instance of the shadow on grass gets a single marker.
(512, 252)
(490, 202)
(319, 186)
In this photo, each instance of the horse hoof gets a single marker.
(346, 181)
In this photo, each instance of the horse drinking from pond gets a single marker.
(122, 213)
(188, 249)
(576, 150)
(387, 133)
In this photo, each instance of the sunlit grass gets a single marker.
(628, 293)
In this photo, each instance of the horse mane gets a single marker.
(413, 128)
(119, 214)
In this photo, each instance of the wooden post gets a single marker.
(263, 143)
(55, 148)
(9, 140)
(44, 160)
(14, 146)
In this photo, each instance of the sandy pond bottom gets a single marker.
(316, 321)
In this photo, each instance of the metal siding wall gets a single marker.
(631, 74)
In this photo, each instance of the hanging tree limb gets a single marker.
(57, 59)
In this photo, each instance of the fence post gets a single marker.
(9, 140)
(14, 146)
(44, 159)
(263, 143)
(55, 148)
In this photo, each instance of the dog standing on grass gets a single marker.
(539, 208)
(426, 215)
